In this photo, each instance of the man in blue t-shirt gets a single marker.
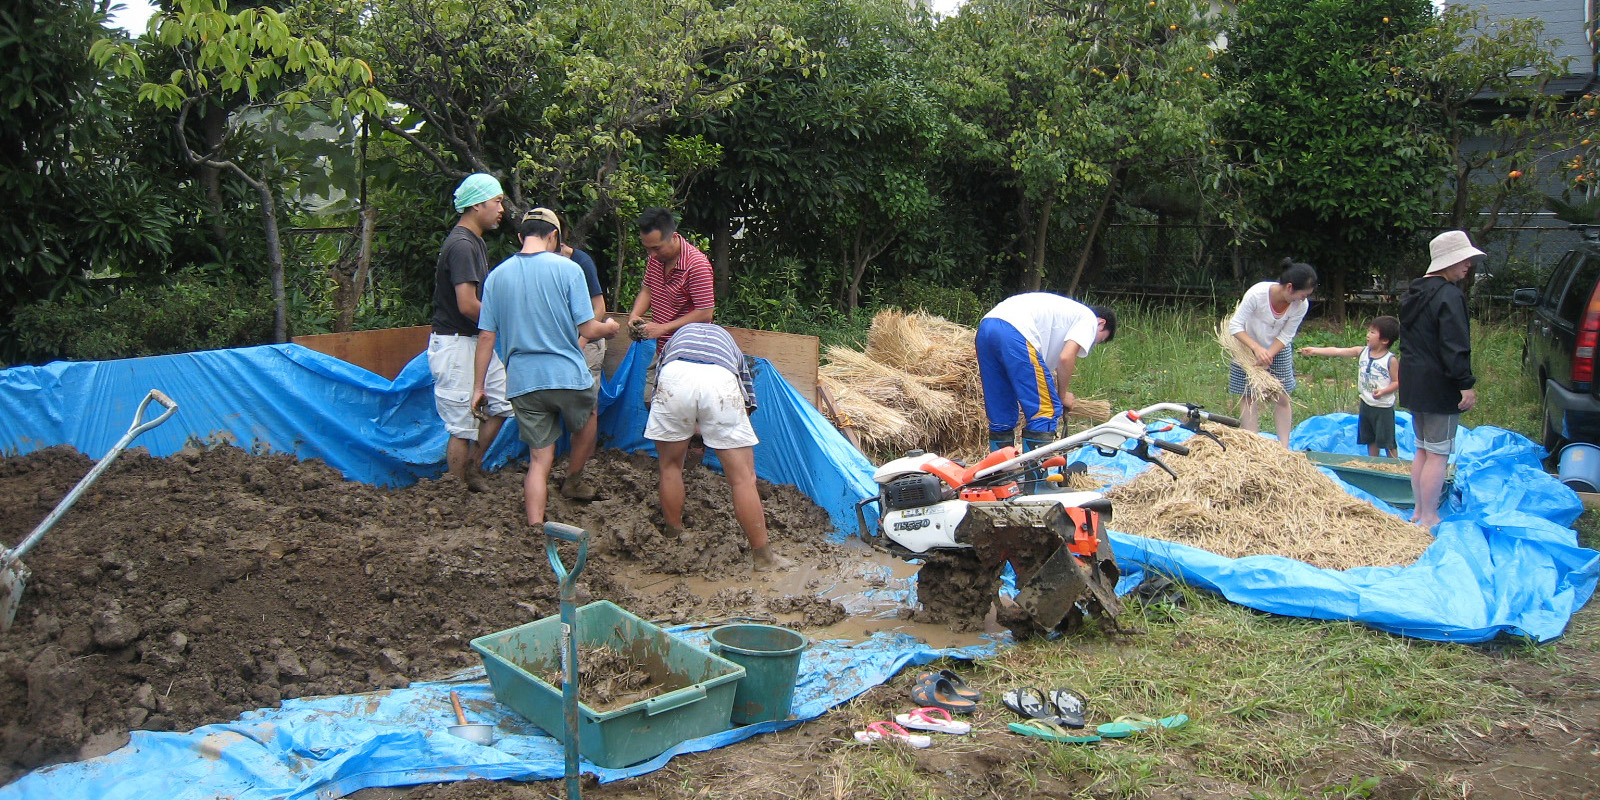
(535, 306)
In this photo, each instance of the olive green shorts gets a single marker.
(541, 415)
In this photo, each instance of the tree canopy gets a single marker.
(830, 155)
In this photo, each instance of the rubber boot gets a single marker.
(998, 440)
(1031, 441)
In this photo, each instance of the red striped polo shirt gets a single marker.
(687, 286)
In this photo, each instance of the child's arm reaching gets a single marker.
(1340, 352)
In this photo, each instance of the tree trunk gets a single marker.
(1336, 292)
(269, 218)
(213, 126)
(353, 285)
(721, 245)
(1094, 232)
(623, 303)
(1034, 278)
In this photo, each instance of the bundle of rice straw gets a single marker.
(920, 376)
(885, 428)
(1093, 410)
(1257, 498)
(1259, 381)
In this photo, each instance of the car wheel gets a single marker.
(1549, 437)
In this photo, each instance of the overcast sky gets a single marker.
(131, 15)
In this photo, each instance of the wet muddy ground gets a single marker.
(183, 591)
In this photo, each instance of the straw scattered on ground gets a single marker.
(1255, 498)
(1259, 381)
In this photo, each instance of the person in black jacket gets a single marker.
(1439, 381)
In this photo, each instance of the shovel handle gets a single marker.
(455, 701)
(139, 423)
(566, 533)
(12, 556)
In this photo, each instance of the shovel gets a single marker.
(568, 580)
(13, 573)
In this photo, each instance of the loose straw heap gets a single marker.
(1256, 498)
(1259, 381)
(917, 386)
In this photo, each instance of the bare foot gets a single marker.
(762, 559)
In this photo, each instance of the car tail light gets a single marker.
(1588, 338)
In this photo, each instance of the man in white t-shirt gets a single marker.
(1028, 347)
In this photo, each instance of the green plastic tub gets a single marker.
(1380, 477)
(696, 698)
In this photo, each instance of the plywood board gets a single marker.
(387, 351)
(793, 355)
(384, 352)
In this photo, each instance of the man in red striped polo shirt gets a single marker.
(678, 286)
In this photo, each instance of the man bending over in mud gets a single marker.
(705, 384)
(535, 305)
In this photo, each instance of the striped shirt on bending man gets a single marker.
(704, 343)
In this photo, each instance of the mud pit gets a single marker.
(183, 591)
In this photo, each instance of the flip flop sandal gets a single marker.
(1129, 725)
(933, 718)
(1069, 707)
(960, 685)
(1050, 731)
(881, 731)
(1027, 702)
(937, 691)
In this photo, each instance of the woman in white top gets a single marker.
(1266, 321)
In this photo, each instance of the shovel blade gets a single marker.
(12, 581)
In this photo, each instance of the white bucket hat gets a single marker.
(1451, 248)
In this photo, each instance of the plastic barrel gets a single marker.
(1580, 467)
(771, 659)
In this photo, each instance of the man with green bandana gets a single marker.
(457, 298)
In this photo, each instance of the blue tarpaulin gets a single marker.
(1504, 560)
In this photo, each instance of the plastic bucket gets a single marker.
(771, 659)
(1580, 467)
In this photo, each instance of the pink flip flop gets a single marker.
(880, 731)
(933, 718)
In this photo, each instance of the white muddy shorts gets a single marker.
(690, 395)
(450, 360)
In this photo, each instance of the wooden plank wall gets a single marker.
(386, 352)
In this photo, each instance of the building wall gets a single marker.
(1570, 21)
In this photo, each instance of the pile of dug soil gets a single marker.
(183, 591)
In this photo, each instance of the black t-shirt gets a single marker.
(463, 258)
(591, 275)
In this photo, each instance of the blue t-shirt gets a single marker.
(534, 305)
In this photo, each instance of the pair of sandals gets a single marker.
(1052, 716)
(1121, 727)
(923, 719)
(945, 690)
(1062, 726)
